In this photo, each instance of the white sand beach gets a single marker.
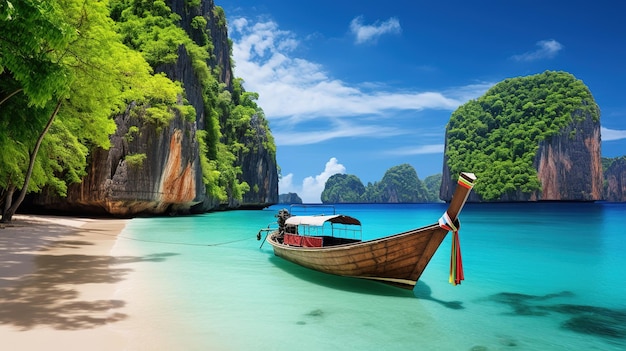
(57, 284)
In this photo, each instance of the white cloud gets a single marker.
(312, 187)
(547, 50)
(285, 184)
(612, 134)
(419, 150)
(370, 33)
(294, 91)
(468, 92)
(338, 129)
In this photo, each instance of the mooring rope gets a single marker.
(174, 242)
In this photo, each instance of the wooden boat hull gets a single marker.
(398, 260)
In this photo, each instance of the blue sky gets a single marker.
(358, 87)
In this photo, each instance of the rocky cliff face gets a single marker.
(615, 180)
(169, 179)
(217, 31)
(289, 198)
(568, 166)
(259, 169)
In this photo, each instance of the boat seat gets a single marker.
(312, 241)
(302, 241)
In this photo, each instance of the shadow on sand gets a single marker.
(38, 289)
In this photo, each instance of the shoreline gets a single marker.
(58, 281)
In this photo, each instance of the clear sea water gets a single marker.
(547, 276)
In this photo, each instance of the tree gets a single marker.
(63, 71)
(342, 188)
(151, 28)
(401, 184)
(433, 184)
(31, 77)
(497, 135)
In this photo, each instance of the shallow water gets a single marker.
(538, 277)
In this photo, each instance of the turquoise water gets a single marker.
(537, 277)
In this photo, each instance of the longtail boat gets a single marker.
(398, 259)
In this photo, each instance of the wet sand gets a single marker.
(58, 282)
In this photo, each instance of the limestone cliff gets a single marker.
(615, 180)
(289, 198)
(259, 168)
(568, 168)
(156, 169)
(533, 138)
(167, 180)
(569, 164)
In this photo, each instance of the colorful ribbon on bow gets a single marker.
(456, 264)
(465, 183)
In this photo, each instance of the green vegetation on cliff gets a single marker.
(607, 162)
(614, 186)
(400, 184)
(433, 184)
(151, 28)
(63, 74)
(343, 188)
(497, 135)
(68, 66)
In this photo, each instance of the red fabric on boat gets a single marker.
(311, 241)
(292, 239)
(306, 241)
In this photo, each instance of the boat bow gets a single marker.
(397, 259)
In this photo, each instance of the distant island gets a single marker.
(533, 138)
(614, 186)
(289, 198)
(400, 184)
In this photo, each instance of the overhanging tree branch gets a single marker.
(8, 214)
(10, 95)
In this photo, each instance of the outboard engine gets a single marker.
(282, 217)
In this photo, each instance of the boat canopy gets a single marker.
(320, 220)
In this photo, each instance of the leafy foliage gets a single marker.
(72, 64)
(433, 184)
(30, 38)
(151, 28)
(63, 68)
(608, 161)
(135, 160)
(400, 184)
(342, 188)
(497, 135)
